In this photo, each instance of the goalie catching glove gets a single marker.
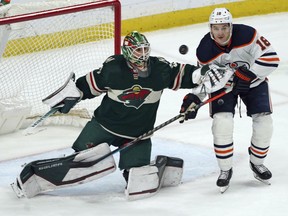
(210, 78)
(66, 97)
(188, 108)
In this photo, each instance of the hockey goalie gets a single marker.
(132, 84)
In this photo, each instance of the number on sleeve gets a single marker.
(263, 43)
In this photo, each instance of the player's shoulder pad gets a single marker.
(159, 63)
(114, 62)
(207, 49)
(113, 59)
(242, 35)
(158, 59)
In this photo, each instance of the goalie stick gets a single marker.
(149, 133)
(31, 129)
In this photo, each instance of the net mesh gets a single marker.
(38, 55)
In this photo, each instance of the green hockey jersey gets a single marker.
(130, 104)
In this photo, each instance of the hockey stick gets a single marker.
(149, 133)
(31, 129)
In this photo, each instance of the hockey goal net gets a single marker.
(42, 43)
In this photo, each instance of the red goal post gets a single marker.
(42, 43)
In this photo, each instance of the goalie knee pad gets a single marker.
(50, 174)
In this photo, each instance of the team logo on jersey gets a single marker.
(238, 64)
(134, 97)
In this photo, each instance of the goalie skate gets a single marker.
(16, 188)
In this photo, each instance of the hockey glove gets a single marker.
(210, 78)
(67, 104)
(189, 104)
(242, 80)
(66, 97)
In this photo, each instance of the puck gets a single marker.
(183, 49)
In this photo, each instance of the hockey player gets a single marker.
(133, 84)
(242, 48)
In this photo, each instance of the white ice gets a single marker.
(192, 141)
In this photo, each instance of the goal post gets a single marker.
(42, 43)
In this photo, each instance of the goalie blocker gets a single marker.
(46, 175)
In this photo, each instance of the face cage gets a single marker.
(138, 55)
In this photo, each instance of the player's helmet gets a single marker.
(220, 16)
(136, 50)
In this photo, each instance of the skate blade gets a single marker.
(17, 190)
(267, 182)
(223, 189)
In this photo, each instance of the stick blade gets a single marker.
(32, 130)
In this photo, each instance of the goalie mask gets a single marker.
(221, 16)
(136, 50)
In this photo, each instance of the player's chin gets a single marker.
(221, 41)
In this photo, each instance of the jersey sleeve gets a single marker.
(95, 83)
(265, 57)
(176, 75)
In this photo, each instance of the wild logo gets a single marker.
(134, 97)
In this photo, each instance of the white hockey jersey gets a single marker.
(246, 47)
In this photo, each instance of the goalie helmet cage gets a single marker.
(42, 43)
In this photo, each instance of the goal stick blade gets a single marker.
(32, 128)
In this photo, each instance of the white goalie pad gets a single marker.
(46, 175)
(146, 181)
(173, 172)
(143, 182)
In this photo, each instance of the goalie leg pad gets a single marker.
(173, 172)
(145, 181)
(51, 174)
